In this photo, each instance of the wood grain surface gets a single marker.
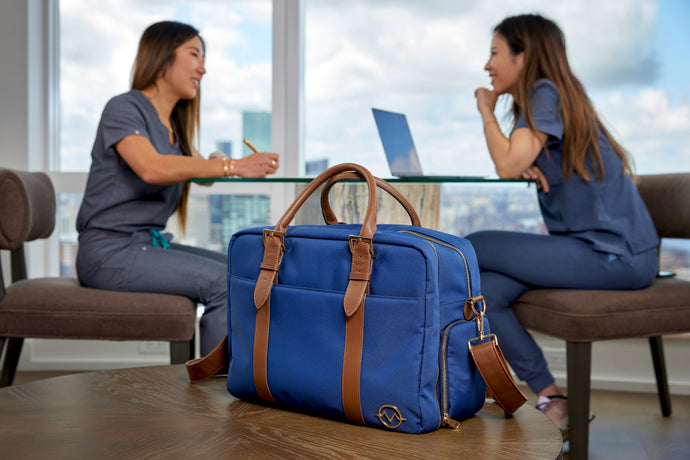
(154, 412)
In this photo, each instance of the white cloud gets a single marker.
(655, 132)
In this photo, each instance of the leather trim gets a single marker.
(360, 274)
(495, 372)
(207, 366)
(273, 256)
(260, 353)
(353, 303)
(469, 310)
(352, 365)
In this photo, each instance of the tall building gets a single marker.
(316, 167)
(256, 128)
(225, 147)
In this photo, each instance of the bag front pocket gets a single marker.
(462, 390)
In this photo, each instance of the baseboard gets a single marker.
(628, 385)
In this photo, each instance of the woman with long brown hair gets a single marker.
(600, 233)
(141, 160)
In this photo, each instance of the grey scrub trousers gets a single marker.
(132, 263)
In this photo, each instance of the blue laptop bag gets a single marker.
(369, 323)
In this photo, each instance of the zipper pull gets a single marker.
(454, 424)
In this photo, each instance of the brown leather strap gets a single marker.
(353, 304)
(360, 274)
(203, 368)
(352, 365)
(274, 247)
(494, 369)
(260, 354)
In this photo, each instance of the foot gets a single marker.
(555, 408)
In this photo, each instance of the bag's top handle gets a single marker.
(369, 222)
(361, 246)
(329, 216)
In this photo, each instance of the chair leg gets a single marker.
(13, 349)
(181, 352)
(656, 345)
(579, 367)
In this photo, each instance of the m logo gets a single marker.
(390, 416)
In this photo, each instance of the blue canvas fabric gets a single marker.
(420, 281)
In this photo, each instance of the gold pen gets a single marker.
(249, 144)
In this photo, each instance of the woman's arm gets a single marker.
(154, 168)
(511, 156)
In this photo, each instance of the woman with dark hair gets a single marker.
(141, 160)
(600, 233)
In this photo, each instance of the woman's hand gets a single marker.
(486, 101)
(217, 154)
(533, 172)
(257, 165)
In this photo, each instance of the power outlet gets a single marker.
(555, 357)
(153, 347)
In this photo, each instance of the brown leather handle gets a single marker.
(329, 216)
(369, 223)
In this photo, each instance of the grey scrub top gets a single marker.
(609, 214)
(116, 199)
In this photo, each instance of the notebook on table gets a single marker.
(399, 147)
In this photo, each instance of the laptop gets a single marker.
(398, 145)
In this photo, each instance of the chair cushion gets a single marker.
(27, 207)
(590, 315)
(61, 308)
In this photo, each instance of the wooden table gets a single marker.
(155, 412)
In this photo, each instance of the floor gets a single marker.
(627, 426)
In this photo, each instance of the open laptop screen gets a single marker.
(397, 143)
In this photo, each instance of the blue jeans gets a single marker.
(511, 263)
(133, 264)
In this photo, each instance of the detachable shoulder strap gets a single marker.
(207, 366)
(500, 384)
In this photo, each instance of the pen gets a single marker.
(250, 145)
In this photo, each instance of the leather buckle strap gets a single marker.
(354, 239)
(274, 248)
(207, 366)
(495, 372)
(268, 233)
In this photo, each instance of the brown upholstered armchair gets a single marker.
(581, 317)
(59, 308)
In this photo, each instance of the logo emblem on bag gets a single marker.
(390, 416)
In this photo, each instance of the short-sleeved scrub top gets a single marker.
(116, 199)
(609, 214)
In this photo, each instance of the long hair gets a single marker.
(155, 54)
(543, 43)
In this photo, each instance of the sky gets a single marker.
(422, 58)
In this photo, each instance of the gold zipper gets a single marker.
(450, 246)
(446, 420)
